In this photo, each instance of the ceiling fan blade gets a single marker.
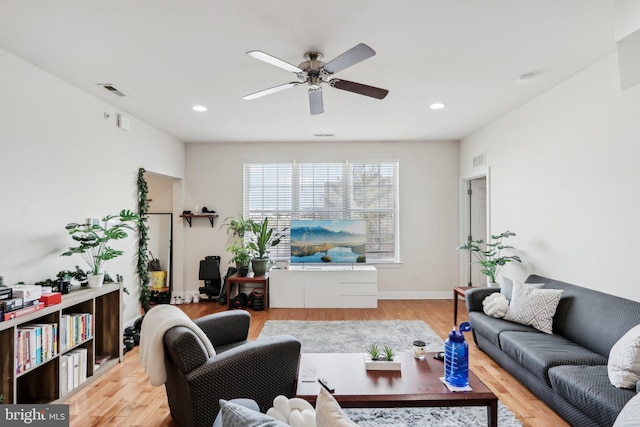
(351, 57)
(315, 101)
(270, 91)
(269, 59)
(359, 88)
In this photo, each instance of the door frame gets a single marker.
(464, 217)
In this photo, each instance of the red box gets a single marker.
(51, 299)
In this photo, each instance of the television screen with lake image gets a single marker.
(328, 241)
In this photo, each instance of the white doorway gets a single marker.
(474, 218)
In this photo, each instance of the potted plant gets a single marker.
(241, 257)
(381, 359)
(94, 242)
(491, 257)
(239, 225)
(264, 238)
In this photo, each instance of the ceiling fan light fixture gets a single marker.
(437, 105)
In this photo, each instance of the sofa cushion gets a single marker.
(535, 307)
(234, 415)
(590, 318)
(588, 389)
(630, 414)
(506, 287)
(537, 352)
(624, 360)
(491, 328)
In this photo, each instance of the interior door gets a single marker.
(477, 192)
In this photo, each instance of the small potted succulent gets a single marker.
(381, 359)
(94, 239)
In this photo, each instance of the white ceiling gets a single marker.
(168, 55)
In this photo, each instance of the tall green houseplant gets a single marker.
(94, 239)
(490, 256)
(263, 239)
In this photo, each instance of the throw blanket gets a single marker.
(156, 322)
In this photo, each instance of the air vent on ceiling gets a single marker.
(479, 160)
(111, 88)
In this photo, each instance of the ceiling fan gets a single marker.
(314, 72)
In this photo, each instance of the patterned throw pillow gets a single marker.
(535, 307)
(624, 360)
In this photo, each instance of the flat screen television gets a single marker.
(328, 241)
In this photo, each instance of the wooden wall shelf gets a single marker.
(189, 217)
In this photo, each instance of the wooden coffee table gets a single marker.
(416, 385)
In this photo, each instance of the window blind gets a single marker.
(334, 191)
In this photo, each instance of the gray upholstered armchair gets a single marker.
(260, 369)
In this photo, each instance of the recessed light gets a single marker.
(324, 134)
(199, 108)
(437, 105)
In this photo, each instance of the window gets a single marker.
(361, 190)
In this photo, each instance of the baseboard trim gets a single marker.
(416, 295)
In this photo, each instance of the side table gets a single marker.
(458, 291)
(234, 279)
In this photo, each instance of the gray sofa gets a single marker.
(566, 369)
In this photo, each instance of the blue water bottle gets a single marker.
(456, 357)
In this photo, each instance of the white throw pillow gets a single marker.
(535, 307)
(329, 413)
(495, 305)
(624, 360)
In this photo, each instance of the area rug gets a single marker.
(347, 336)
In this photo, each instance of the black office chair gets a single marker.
(210, 273)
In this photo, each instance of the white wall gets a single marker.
(61, 161)
(565, 176)
(428, 174)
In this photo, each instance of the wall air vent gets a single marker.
(111, 88)
(479, 160)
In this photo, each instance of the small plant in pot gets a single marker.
(238, 225)
(264, 238)
(94, 239)
(241, 257)
(490, 257)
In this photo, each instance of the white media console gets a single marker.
(324, 287)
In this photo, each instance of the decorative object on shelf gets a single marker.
(381, 359)
(94, 239)
(491, 257)
(143, 239)
(206, 210)
(264, 237)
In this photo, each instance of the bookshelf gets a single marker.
(41, 383)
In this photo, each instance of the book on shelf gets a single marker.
(35, 344)
(64, 366)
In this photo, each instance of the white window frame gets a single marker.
(283, 182)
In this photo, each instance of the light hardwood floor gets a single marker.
(123, 396)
